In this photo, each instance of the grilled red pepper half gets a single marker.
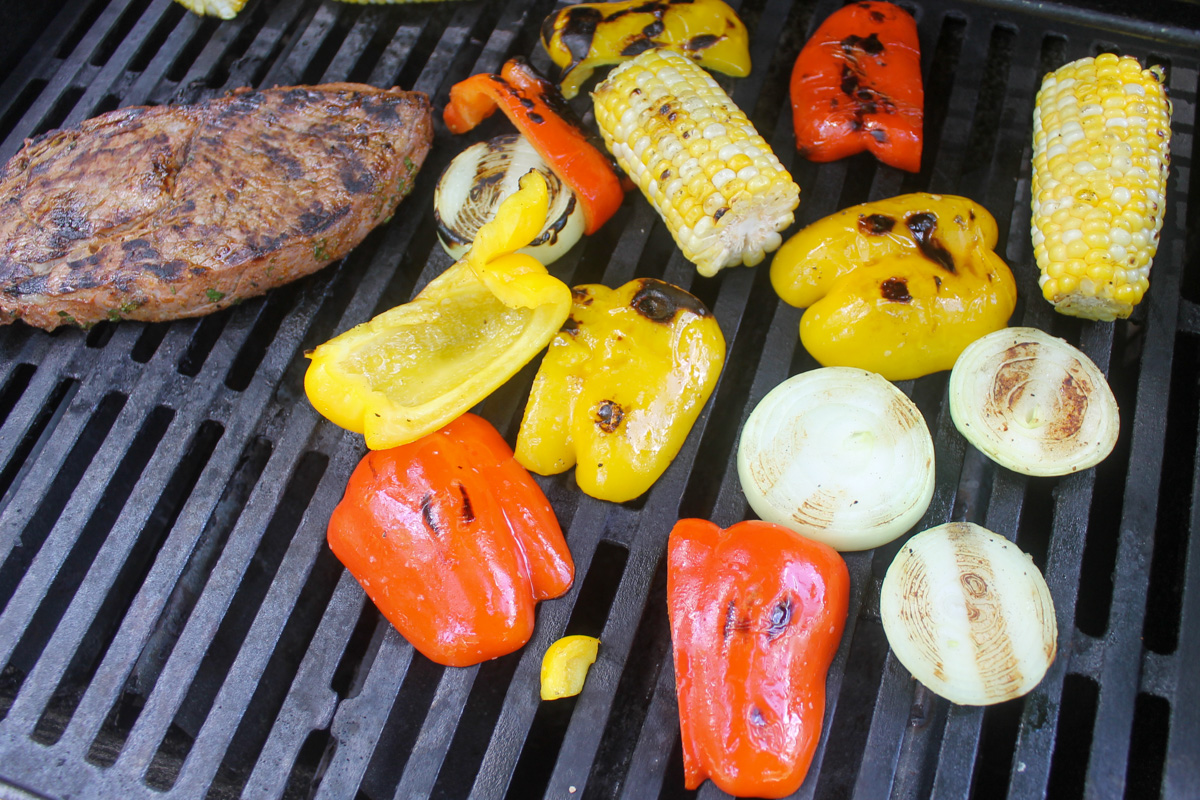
(856, 86)
(756, 616)
(453, 541)
(538, 109)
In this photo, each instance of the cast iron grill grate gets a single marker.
(172, 624)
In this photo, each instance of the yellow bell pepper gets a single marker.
(581, 37)
(565, 666)
(898, 286)
(621, 386)
(413, 369)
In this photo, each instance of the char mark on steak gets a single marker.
(157, 213)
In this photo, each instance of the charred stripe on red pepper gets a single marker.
(453, 541)
(756, 614)
(856, 86)
(538, 110)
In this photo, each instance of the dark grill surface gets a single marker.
(172, 622)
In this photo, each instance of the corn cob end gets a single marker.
(722, 192)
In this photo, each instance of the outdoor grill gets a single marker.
(173, 623)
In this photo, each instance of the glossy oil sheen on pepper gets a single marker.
(453, 541)
(898, 286)
(756, 614)
(857, 86)
(621, 387)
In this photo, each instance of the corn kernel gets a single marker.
(729, 195)
(1101, 135)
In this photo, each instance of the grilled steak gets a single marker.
(156, 213)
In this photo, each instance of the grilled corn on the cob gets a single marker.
(1101, 133)
(722, 192)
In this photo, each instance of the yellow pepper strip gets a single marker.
(898, 286)
(565, 666)
(621, 386)
(413, 369)
(580, 38)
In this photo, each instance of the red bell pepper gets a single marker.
(539, 111)
(453, 541)
(756, 614)
(856, 86)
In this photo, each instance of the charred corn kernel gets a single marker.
(1101, 150)
(565, 666)
(741, 217)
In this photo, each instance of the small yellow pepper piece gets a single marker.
(414, 368)
(898, 286)
(565, 666)
(582, 37)
(621, 386)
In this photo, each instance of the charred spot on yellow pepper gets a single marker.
(621, 386)
(582, 37)
(898, 286)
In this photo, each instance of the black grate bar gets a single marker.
(310, 702)
(962, 110)
(40, 60)
(352, 47)
(287, 70)
(427, 758)
(1108, 763)
(290, 578)
(358, 720)
(63, 79)
(1182, 773)
(107, 564)
(179, 671)
(118, 63)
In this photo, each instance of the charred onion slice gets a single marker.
(969, 614)
(839, 455)
(1033, 403)
(479, 178)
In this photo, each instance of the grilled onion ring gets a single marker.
(479, 178)
(839, 455)
(969, 614)
(1033, 403)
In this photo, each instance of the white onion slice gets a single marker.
(479, 179)
(839, 455)
(1033, 403)
(969, 614)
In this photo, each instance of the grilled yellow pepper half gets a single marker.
(621, 386)
(582, 37)
(898, 286)
(415, 368)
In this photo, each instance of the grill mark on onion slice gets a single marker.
(994, 655)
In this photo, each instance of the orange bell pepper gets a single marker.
(453, 541)
(756, 614)
(539, 111)
(856, 86)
